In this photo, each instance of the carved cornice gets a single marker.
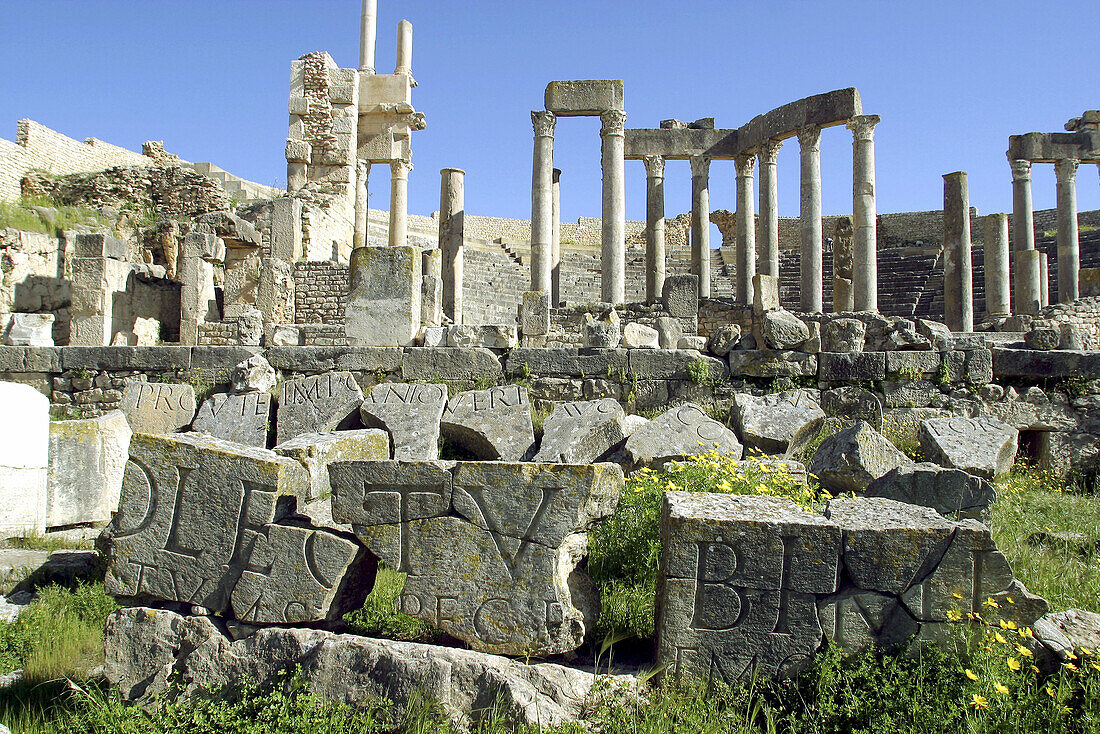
(543, 122)
(654, 166)
(614, 122)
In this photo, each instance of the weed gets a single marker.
(699, 371)
(380, 616)
(943, 374)
(484, 382)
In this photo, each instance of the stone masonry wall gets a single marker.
(320, 293)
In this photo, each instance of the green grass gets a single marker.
(20, 216)
(380, 617)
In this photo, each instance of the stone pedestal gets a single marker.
(769, 208)
(864, 214)
(958, 296)
(362, 205)
(384, 297)
(542, 201)
(700, 222)
(555, 242)
(1025, 281)
(997, 303)
(1069, 248)
(399, 202)
(452, 206)
(809, 140)
(613, 259)
(746, 228)
(655, 228)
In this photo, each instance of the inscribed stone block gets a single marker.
(315, 451)
(583, 432)
(316, 404)
(492, 424)
(770, 422)
(410, 413)
(685, 430)
(982, 446)
(241, 418)
(680, 296)
(158, 407)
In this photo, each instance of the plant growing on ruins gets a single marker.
(908, 372)
(943, 374)
(699, 371)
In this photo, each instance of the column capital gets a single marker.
(614, 123)
(1065, 170)
(769, 150)
(362, 167)
(746, 165)
(654, 166)
(400, 168)
(863, 127)
(1021, 170)
(543, 121)
(809, 137)
(700, 166)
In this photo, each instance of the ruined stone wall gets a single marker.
(34, 278)
(1082, 316)
(320, 293)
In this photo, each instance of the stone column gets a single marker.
(1029, 268)
(1044, 280)
(746, 228)
(298, 153)
(958, 295)
(997, 304)
(452, 212)
(809, 141)
(613, 260)
(399, 202)
(555, 243)
(1026, 280)
(700, 222)
(864, 214)
(368, 32)
(655, 228)
(1069, 248)
(404, 48)
(769, 208)
(362, 206)
(542, 200)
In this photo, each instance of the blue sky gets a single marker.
(951, 80)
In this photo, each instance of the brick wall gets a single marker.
(320, 293)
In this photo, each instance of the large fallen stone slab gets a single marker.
(24, 449)
(410, 413)
(30, 330)
(211, 523)
(149, 650)
(952, 493)
(582, 432)
(983, 446)
(738, 586)
(316, 404)
(685, 430)
(783, 330)
(493, 424)
(770, 422)
(243, 418)
(87, 460)
(315, 451)
(492, 550)
(158, 407)
(849, 460)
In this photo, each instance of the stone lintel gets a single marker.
(1051, 147)
(584, 97)
(677, 143)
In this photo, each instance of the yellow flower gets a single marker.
(1094, 665)
(1026, 632)
(1070, 667)
(1023, 651)
(956, 594)
(1070, 656)
(971, 674)
(997, 636)
(990, 603)
(954, 615)
(1087, 651)
(1050, 691)
(1001, 689)
(1008, 625)
(974, 617)
(1013, 665)
(1034, 669)
(979, 702)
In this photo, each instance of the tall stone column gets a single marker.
(700, 222)
(995, 229)
(1026, 280)
(399, 202)
(1069, 248)
(362, 206)
(613, 259)
(958, 294)
(1044, 280)
(769, 207)
(809, 141)
(452, 212)
(404, 48)
(654, 228)
(746, 228)
(542, 200)
(555, 243)
(864, 214)
(368, 33)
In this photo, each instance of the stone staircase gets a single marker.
(235, 186)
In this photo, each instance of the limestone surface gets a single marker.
(770, 422)
(24, 446)
(493, 424)
(410, 414)
(952, 493)
(603, 332)
(383, 307)
(582, 432)
(316, 404)
(210, 523)
(854, 404)
(243, 418)
(669, 331)
(843, 335)
(783, 330)
(724, 339)
(315, 451)
(158, 407)
(685, 430)
(30, 330)
(87, 460)
(851, 459)
(254, 374)
(680, 295)
(491, 549)
(983, 446)
(488, 336)
(640, 336)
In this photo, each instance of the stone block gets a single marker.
(983, 446)
(640, 336)
(724, 339)
(315, 451)
(30, 330)
(696, 343)
(953, 493)
(241, 418)
(849, 460)
(447, 363)
(286, 229)
(493, 424)
(250, 328)
(488, 336)
(410, 414)
(314, 359)
(491, 549)
(286, 336)
(431, 300)
(680, 296)
(433, 336)
(204, 246)
(383, 307)
(316, 404)
(854, 404)
(298, 151)
(1043, 338)
(852, 367)
(843, 336)
(769, 363)
(567, 362)
(297, 106)
(675, 364)
(909, 393)
(87, 460)
(24, 448)
(582, 432)
(254, 374)
(98, 244)
(1089, 282)
(602, 332)
(584, 97)
(978, 367)
(534, 314)
(158, 407)
(912, 364)
(201, 521)
(783, 330)
(683, 431)
(669, 331)
(765, 293)
(770, 422)
(1039, 364)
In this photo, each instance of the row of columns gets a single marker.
(399, 203)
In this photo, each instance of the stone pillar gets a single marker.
(958, 295)
(769, 208)
(1026, 279)
(864, 214)
(542, 201)
(404, 48)
(809, 141)
(555, 243)
(655, 228)
(368, 32)
(1069, 248)
(842, 266)
(384, 292)
(700, 222)
(613, 260)
(746, 228)
(995, 229)
(1044, 280)
(362, 205)
(452, 212)
(1029, 269)
(399, 203)
(298, 153)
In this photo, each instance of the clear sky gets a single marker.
(952, 79)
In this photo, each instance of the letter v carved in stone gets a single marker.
(511, 560)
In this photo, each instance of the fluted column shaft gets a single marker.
(700, 222)
(746, 228)
(1026, 276)
(769, 207)
(655, 228)
(810, 287)
(1069, 247)
(613, 256)
(542, 201)
(864, 214)
(399, 203)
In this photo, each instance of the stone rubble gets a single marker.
(678, 433)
